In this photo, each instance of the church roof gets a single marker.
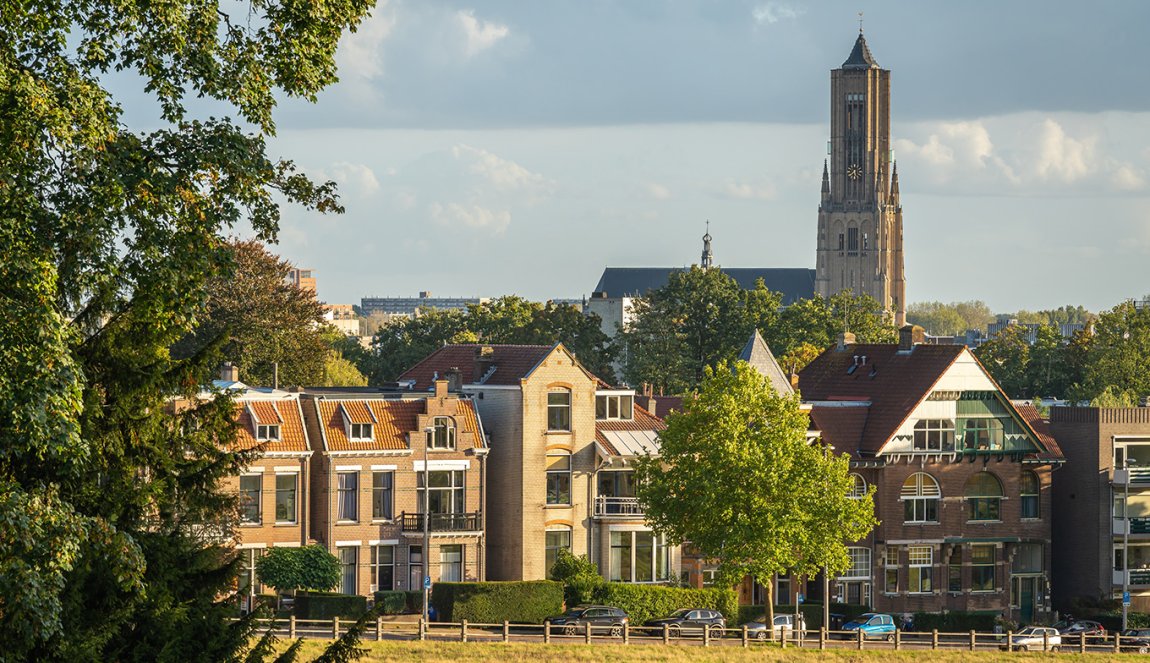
(759, 356)
(860, 57)
(793, 283)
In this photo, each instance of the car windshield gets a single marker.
(574, 612)
(1029, 630)
(682, 612)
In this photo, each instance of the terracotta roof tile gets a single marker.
(641, 420)
(265, 412)
(394, 419)
(511, 363)
(357, 412)
(1041, 427)
(292, 435)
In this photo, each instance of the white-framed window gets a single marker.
(348, 561)
(1028, 488)
(382, 568)
(982, 558)
(447, 491)
(934, 435)
(247, 584)
(559, 479)
(983, 494)
(347, 495)
(251, 486)
(559, 410)
(451, 563)
(415, 567)
(614, 406)
(443, 437)
(639, 556)
(920, 563)
(982, 435)
(382, 495)
(858, 487)
(360, 433)
(890, 570)
(555, 540)
(285, 498)
(920, 496)
(860, 564)
(268, 432)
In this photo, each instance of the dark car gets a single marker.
(692, 621)
(1083, 626)
(600, 617)
(1136, 639)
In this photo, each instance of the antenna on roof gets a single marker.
(860, 22)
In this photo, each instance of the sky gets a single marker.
(497, 148)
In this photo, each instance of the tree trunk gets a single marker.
(771, 606)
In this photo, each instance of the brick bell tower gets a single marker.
(860, 216)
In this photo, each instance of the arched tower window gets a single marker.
(983, 493)
(920, 496)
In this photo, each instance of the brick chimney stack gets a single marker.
(229, 372)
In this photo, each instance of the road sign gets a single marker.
(427, 582)
(1126, 599)
(800, 598)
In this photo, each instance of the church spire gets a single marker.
(894, 185)
(826, 182)
(708, 258)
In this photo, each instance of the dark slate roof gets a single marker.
(759, 356)
(860, 57)
(893, 383)
(793, 282)
(511, 363)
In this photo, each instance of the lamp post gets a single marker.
(1126, 540)
(430, 430)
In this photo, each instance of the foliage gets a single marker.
(1114, 396)
(400, 345)
(347, 647)
(526, 602)
(307, 567)
(1062, 315)
(949, 319)
(955, 621)
(579, 575)
(325, 605)
(812, 612)
(341, 372)
(1007, 356)
(737, 478)
(1117, 354)
(391, 602)
(798, 357)
(645, 602)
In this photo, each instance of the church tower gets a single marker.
(860, 216)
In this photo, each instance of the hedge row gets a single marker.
(956, 621)
(324, 605)
(528, 602)
(399, 602)
(644, 602)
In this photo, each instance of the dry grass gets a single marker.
(516, 652)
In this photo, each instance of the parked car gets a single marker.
(600, 617)
(873, 626)
(1034, 638)
(1136, 639)
(1076, 626)
(692, 621)
(782, 624)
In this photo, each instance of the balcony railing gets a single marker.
(1133, 475)
(1137, 577)
(442, 522)
(618, 506)
(1139, 525)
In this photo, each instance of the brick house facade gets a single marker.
(962, 479)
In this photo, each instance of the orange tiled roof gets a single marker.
(357, 412)
(511, 363)
(394, 419)
(292, 435)
(641, 420)
(1041, 428)
(266, 412)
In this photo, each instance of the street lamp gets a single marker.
(1126, 540)
(430, 430)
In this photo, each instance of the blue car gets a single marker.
(873, 626)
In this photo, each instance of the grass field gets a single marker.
(522, 652)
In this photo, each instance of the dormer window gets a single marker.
(268, 432)
(614, 406)
(360, 433)
(443, 437)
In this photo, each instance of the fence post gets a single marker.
(666, 634)
(859, 632)
(822, 637)
(506, 631)
(1082, 643)
(897, 639)
(379, 628)
(934, 639)
(422, 630)
(627, 633)
(1010, 640)
(784, 638)
(291, 627)
(463, 631)
(546, 632)
(587, 633)
(335, 628)
(1117, 642)
(706, 636)
(1045, 640)
(745, 638)
(972, 641)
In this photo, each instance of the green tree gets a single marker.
(737, 477)
(260, 322)
(975, 313)
(579, 575)
(936, 318)
(1007, 357)
(1117, 354)
(309, 567)
(110, 236)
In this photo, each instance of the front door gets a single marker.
(1026, 596)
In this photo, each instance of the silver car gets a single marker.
(784, 624)
(1034, 638)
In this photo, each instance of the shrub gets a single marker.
(955, 621)
(414, 601)
(579, 575)
(391, 603)
(644, 602)
(309, 567)
(528, 602)
(325, 605)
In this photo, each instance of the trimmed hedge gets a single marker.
(644, 602)
(324, 605)
(528, 602)
(399, 602)
(955, 621)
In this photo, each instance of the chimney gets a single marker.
(484, 360)
(652, 405)
(845, 339)
(454, 379)
(229, 372)
(910, 336)
(440, 388)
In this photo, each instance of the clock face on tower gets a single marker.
(854, 172)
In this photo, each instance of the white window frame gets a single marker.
(268, 432)
(860, 564)
(360, 432)
(445, 440)
(294, 498)
(920, 563)
(921, 491)
(259, 493)
(858, 487)
(617, 406)
(376, 565)
(566, 406)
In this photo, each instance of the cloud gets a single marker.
(749, 191)
(1126, 178)
(505, 175)
(954, 150)
(772, 12)
(471, 216)
(657, 191)
(1062, 157)
(481, 35)
(352, 178)
(360, 53)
